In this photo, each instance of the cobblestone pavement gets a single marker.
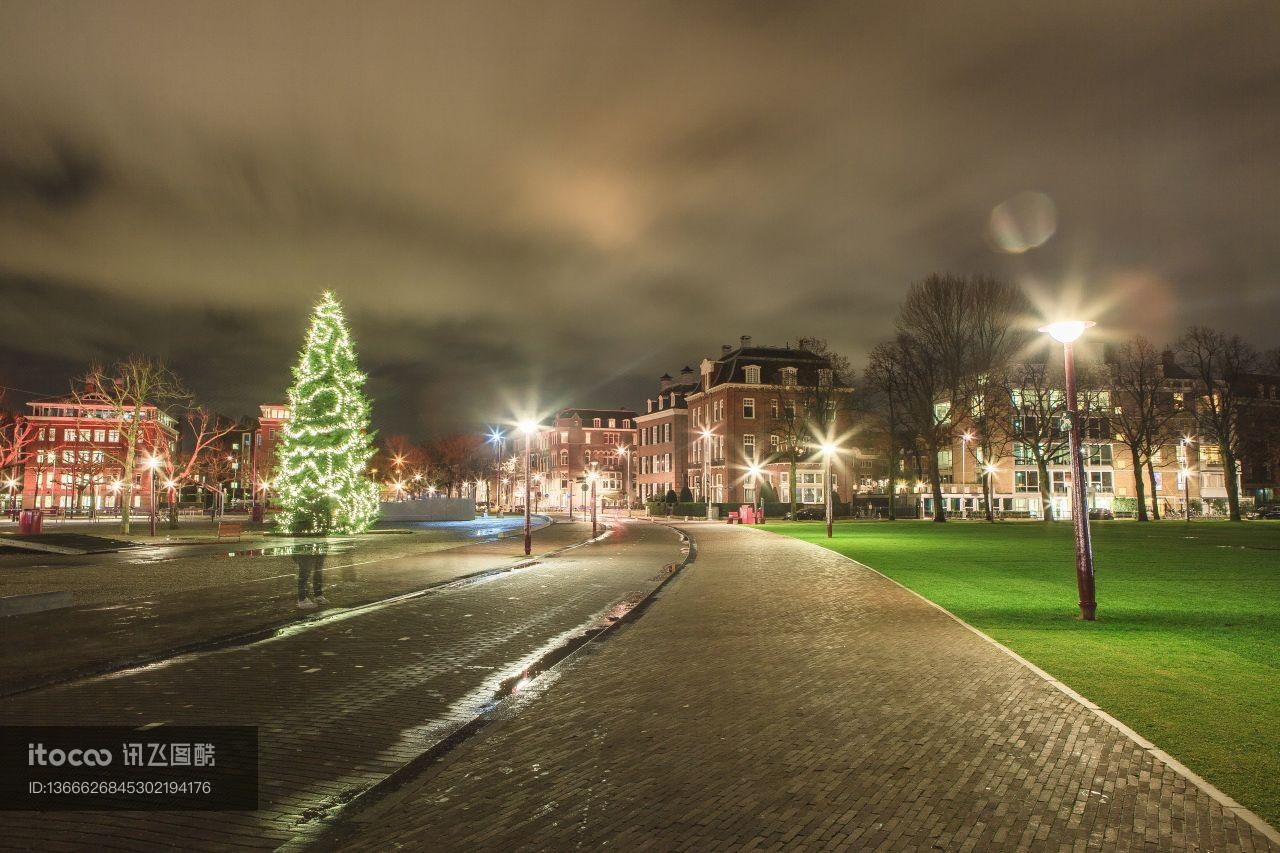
(776, 695)
(343, 704)
(136, 605)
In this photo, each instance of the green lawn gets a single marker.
(1186, 649)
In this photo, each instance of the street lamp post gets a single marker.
(625, 452)
(828, 450)
(1067, 332)
(528, 428)
(151, 463)
(706, 469)
(754, 471)
(1187, 441)
(496, 439)
(592, 476)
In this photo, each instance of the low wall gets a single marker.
(430, 509)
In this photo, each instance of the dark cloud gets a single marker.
(579, 196)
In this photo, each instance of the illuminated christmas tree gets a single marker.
(322, 485)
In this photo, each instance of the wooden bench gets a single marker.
(230, 528)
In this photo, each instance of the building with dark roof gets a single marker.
(661, 461)
(580, 441)
(752, 406)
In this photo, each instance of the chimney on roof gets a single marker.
(725, 349)
(664, 381)
(1167, 360)
(744, 341)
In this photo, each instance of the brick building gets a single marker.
(752, 402)
(1108, 463)
(661, 461)
(577, 442)
(78, 454)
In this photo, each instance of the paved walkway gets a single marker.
(777, 695)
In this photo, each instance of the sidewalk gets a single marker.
(778, 695)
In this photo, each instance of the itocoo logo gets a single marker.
(38, 756)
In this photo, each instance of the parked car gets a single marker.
(807, 513)
(1099, 514)
(1271, 512)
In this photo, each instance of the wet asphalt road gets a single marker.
(342, 703)
(170, 567)
(150, 603)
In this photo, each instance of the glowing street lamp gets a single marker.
(151, 463)
(706, 459)
(528, 427)
(1067, 332)
(754, 471)
(592, 477)
(625, 452)
(828, 450)
(497, 439)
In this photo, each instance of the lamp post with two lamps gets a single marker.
(1067, 332)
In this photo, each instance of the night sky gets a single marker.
(575, 197)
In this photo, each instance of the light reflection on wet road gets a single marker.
(342, 704)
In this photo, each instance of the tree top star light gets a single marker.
(323, 486)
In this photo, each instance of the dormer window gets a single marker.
(613, 423)
(595, 422)
(789, 377)
(752, 374)
(824, 377)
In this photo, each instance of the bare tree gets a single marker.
(189, 463)
(1143, 410)
(927, 409)
(1224, 367)
(17, 434)
(959, 330)
(811, 408)
(1038, 427)
(992, 415)
(885, 383)
(458, 459)
(128, 388)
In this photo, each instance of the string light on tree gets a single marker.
(322, 485)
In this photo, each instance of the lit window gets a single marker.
(752, 375)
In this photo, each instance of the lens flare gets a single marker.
(1022, 223)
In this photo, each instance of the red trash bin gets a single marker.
(30, 521)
